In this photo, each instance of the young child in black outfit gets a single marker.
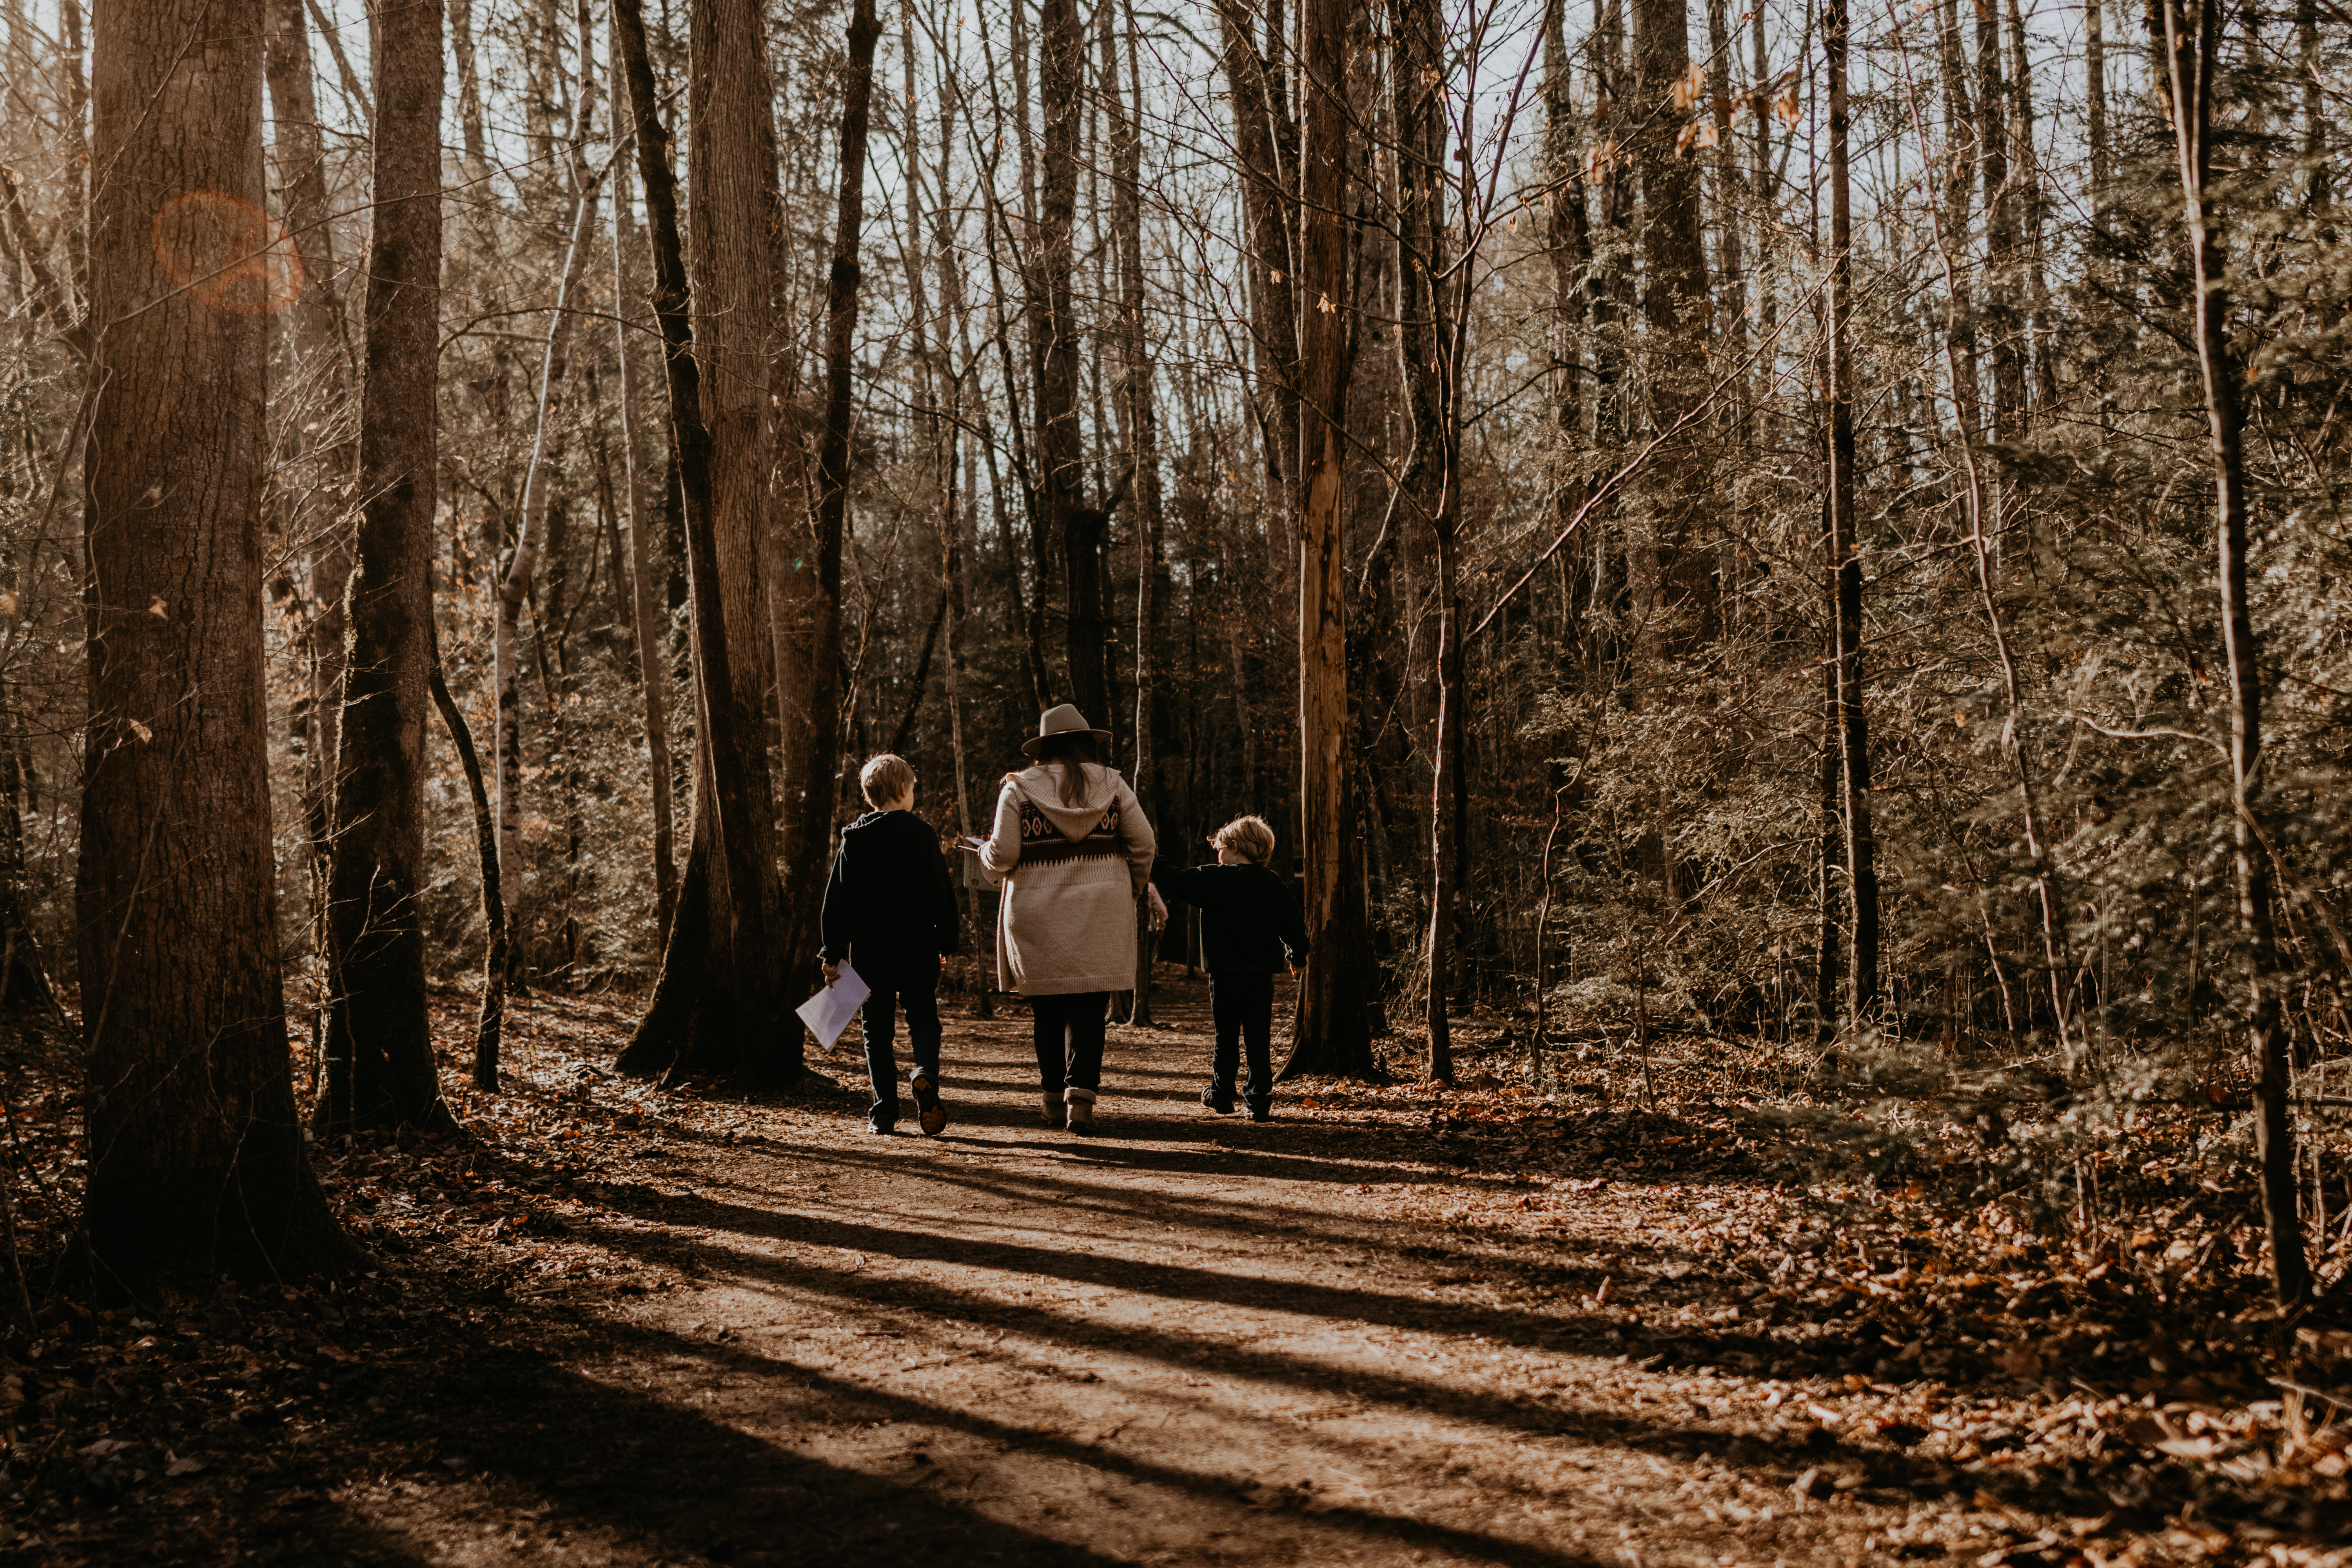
(890, 910)
(1250, 927)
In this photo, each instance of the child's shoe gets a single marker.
(1219, 1098)
(1081, 1109)
(1261, 1108)
(1056, 1112)
(882, 1122)
(928, 1112)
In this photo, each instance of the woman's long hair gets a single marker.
(1073, 751)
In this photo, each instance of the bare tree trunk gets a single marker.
(2000, 230)
(196, 1159)
(1261, 127)
(1674, 305)
(805, 868)
(716, 1005)
(2094, 71)
(321, 463)
(1853, 722)
(1428, 488)
(1333, 1033)
(1142, 421)
(490, 1023)
(637, 574)
(469, 89)
(2190, 50)
(378, 1067)
(1829, 959)
(1076, 540)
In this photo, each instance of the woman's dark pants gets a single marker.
(1240, 1005)
(1069, 1035)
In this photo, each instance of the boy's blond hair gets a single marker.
(885, 778)
(1248, 837)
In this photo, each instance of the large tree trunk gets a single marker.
(196, 1162)
(378, 1067)
(1333, 1032)
(1853, 722)
(716, 1007)
(2190, 49)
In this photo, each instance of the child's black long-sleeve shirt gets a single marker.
(1250, 915)
(890, 906)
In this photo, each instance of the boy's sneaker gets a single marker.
(882, 1125)
(929, 1112)
(1220, 1101)
(1261, 1110)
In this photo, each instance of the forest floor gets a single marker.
(1398, 1324)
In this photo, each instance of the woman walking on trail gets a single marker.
(1073, 852)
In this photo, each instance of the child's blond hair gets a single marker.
(885, 778)
(1248, 837)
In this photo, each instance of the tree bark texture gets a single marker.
(378, 1065)
(196, 1162)
(1333, 1032)
(806, 871)
(1268, 194)
(1076, 540)
(1428, 487)
(1143, 457)
(634, 577)
(1853, 718)
(2190, 49)
(714, 1008)
(1674, 305)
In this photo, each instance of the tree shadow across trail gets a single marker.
(652, 1481)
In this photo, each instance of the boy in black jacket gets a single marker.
(1250, 927)
(890, 910)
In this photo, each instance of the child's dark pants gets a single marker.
(921, 1006)
(1070, 1038)
(1240, 1004)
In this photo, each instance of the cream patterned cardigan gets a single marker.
(1071, 876)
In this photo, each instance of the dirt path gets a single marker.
(1190, 1340)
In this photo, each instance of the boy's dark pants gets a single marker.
(1241, 1003)
(920, 1002)
(1068, 1034)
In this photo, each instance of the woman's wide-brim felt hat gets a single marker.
(1063, 720)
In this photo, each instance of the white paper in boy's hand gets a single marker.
(829, 1011)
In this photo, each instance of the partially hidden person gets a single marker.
(1073, 853)
(890, 912)
(1251, 930)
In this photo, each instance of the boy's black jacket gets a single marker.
(1251, 915)
(890, 909)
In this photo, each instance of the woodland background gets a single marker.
(1590, 766)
